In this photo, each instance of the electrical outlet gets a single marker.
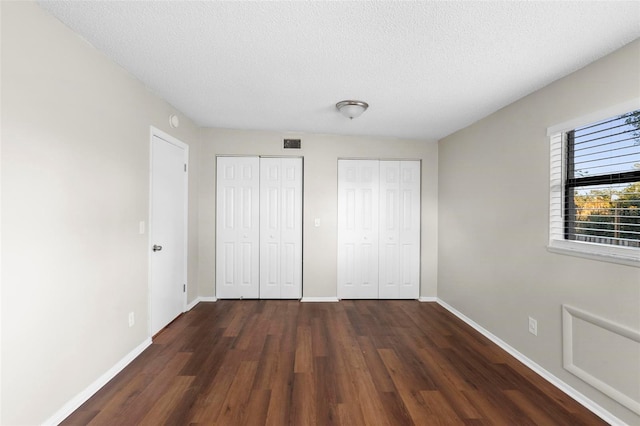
(132, 319)
(533, 326)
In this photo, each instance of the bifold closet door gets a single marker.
(399, 255)
(237, 228)
(378, 229)
(358, 229)
(259, 228)
(280, 228)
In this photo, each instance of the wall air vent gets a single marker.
(291, 144)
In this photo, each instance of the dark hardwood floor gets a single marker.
(350, 363)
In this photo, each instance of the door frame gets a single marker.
(155, 132)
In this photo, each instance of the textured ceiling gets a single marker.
(427, 69)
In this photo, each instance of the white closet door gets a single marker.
(237, 228)
(399, 261)
(280, 228)
(358, 229)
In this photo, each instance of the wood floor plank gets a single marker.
(234, 407)
(370, 402)
(350, 414)
(154, 386)
(395, 409)
(279, 409)
(257, 406)
(119, 401)
(497, 409)
(303, 407)
(439, 408)
(165, 406)
(539, 417)
(552, 395)
(304, 351)
(408, 389)
(366, 362)
(319, 335)
(452, 386)
(208, 406)
(375, 366)
(325, 390)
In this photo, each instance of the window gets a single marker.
(595, 188)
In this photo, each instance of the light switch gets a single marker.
(316, 222)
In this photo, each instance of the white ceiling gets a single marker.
(426, 68)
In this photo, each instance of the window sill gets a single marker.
(619, 255)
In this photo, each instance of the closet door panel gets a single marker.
(281, 228)
(237, 231)
(270, 244)
(291, 229)
(409, 230)
(358, 229)
(388, 268)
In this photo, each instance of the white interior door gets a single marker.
(280, 228)
(399, 260)
(237, 228)
(168, 225)
(358, 229)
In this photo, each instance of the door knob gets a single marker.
(157, 247)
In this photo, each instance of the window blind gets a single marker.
(602, 182)
(556, 223)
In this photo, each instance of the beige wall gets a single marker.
(75, 175)
(493, 223)
(321, 153)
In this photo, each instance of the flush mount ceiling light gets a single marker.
(352, 109)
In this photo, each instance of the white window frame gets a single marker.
(557, 159)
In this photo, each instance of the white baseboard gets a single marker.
(199, 299)
(427, 299)
(580, 398)
(319, 299)
(192, 305)
(94, 387)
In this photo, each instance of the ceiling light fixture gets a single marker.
(352, 109)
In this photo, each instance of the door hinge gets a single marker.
(184, 288)
(185, 167)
